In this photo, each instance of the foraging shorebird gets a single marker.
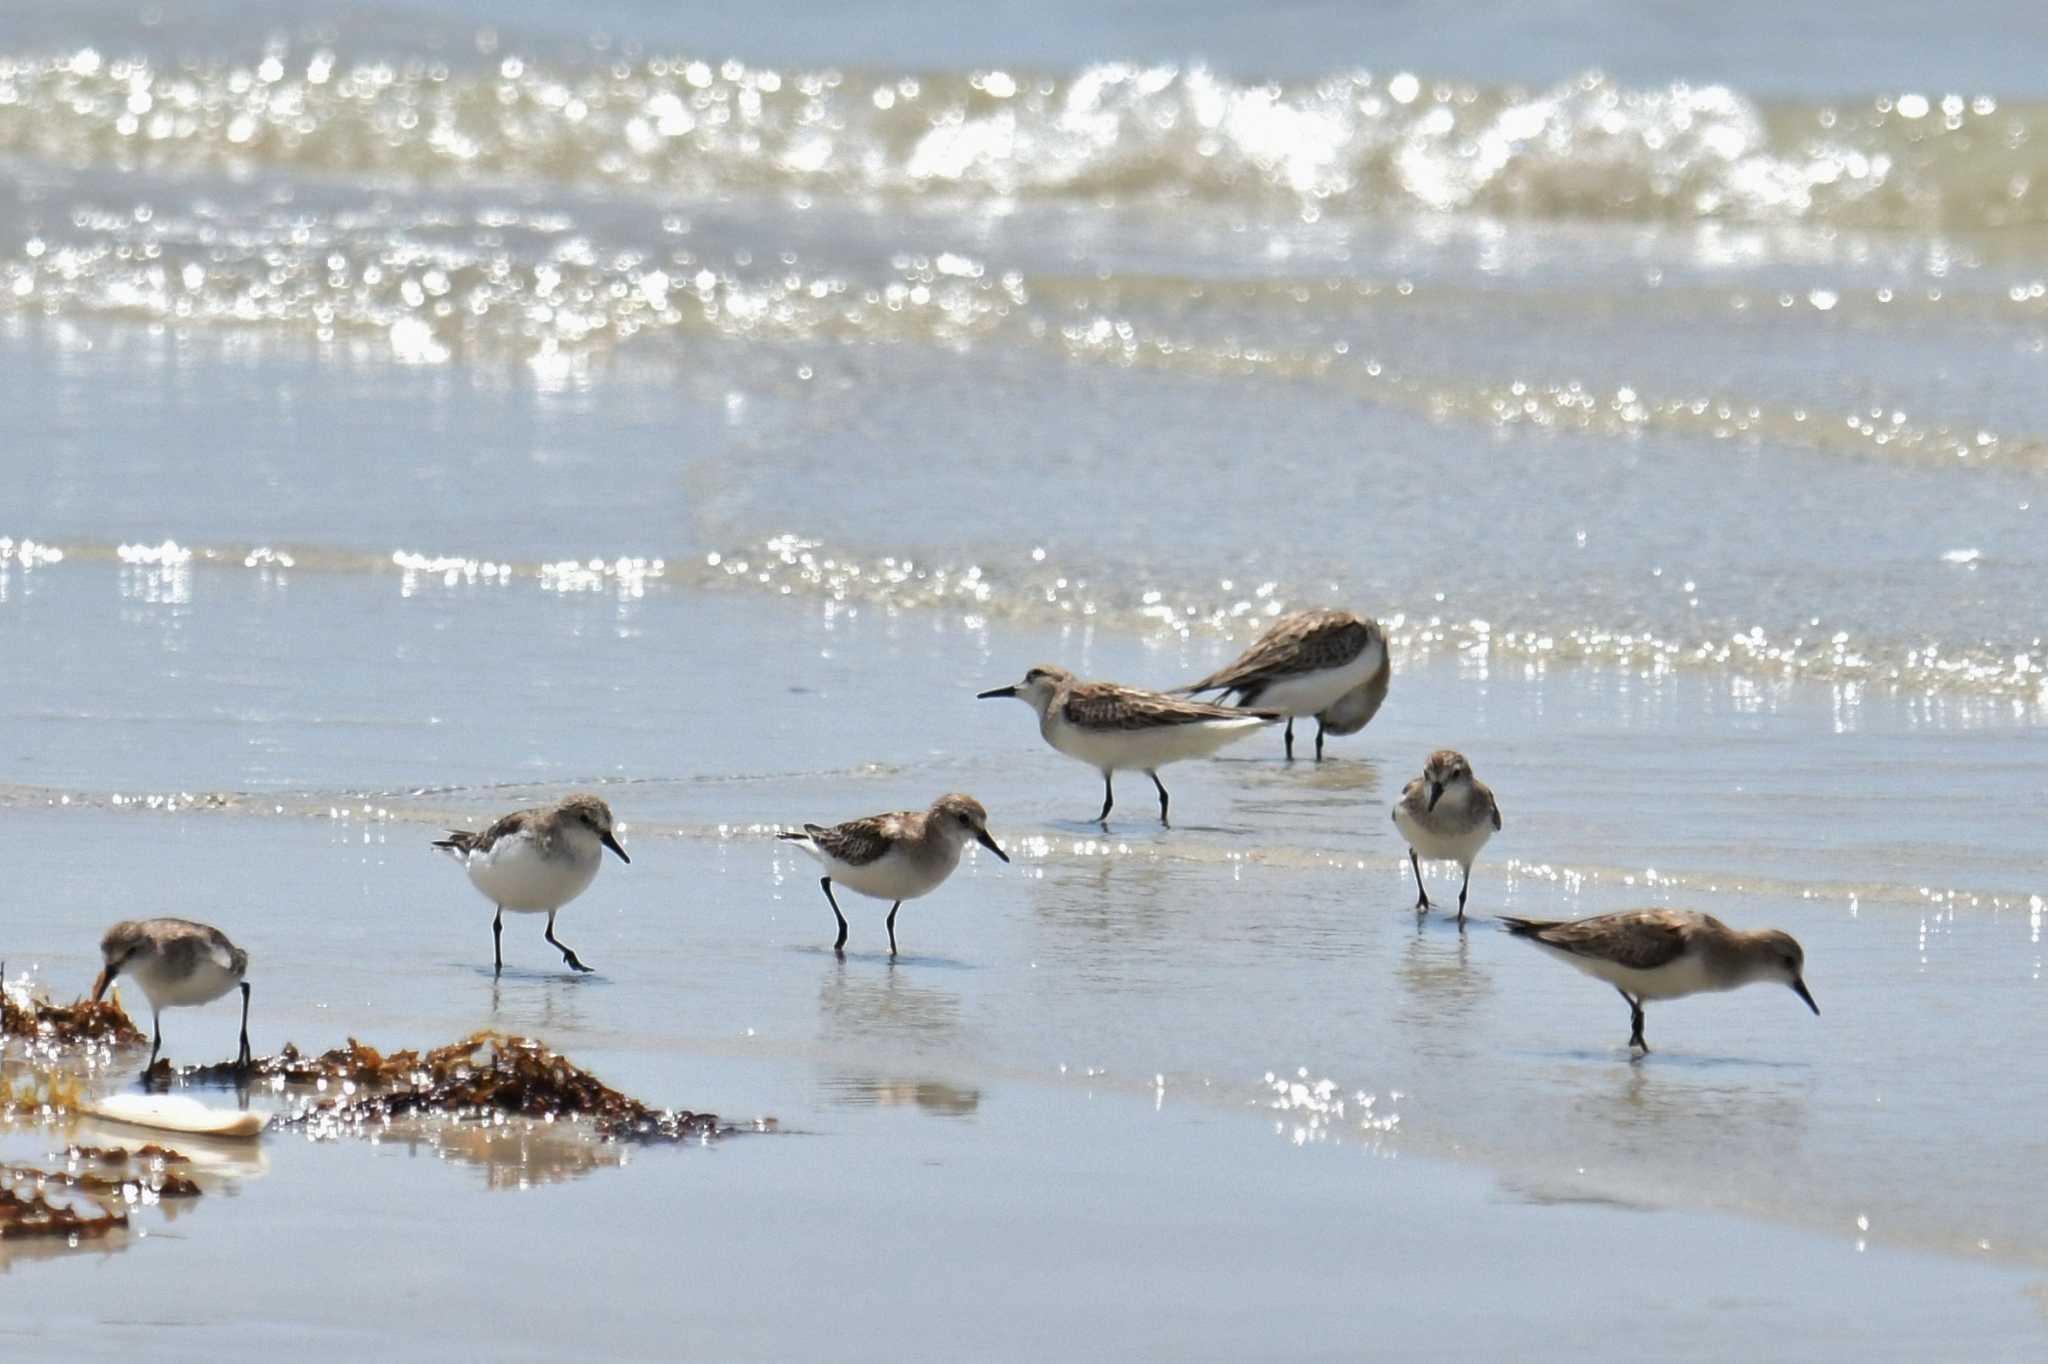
(1111, 727)
(535, 861)
(896, 856)
(1446, 814)
(1329, 664)
(1650, 954)
(178, 964)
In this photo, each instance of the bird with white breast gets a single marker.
(1329, 664)
(1446, 814)
(1112, 727)
(179, 964)
(535, 861)
(1648, 954)
(896, 857)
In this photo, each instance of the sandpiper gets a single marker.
(1446, 814)
(1650, 954)
(896, 856)
(1329, 664)
(178, 964)
(1111, 727)
(535, 861)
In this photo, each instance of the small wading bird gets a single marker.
(1112, 728)
(178, 964)
(1329, 664)
(1446, 814)
(896, 856)
(1649, 954)
(535, 861)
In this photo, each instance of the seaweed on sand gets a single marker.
(23, 1014)
(24, 1215)
(27, 1210)
(486, 1073)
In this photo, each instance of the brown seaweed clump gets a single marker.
(33, 1214)
(486, 1073)
(86, 1020)
(108, 1178)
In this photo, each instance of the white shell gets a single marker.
(176, 1113)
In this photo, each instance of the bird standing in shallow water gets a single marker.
(896, 856)
(178, 964)
(1329, 664)
(535, 861)
(1111, 727)
(1650, 954)
(1446, 814)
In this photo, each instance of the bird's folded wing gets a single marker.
(1308, 642)
(1642, 942)
(1104, 705)
(220, 949)
(856, 842)
(510, 826)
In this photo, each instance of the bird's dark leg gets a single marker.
(498, 941)
(156, 1041)
(567, 955)
(1635, 1020)
(839, 943)
(1290, 738)
(1162, 796)
(1319, 738)
(1464, 886)
(1421, 895)
(243, 1059)
(892, 926)
(1108, 800)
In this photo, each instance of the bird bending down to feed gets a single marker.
(535, 861)
(1329, 664)
(1649, 954)
(897, 856)
(1112, 727)
(1446, 814)
(178, 964)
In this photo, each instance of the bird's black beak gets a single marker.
(613, 843)
(1436, 793)
(999, 691)
(1799, 988)
(981, 837)
(106, 978)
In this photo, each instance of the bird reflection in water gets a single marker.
(936, 1097)
(1441, 990)
(856, 1001)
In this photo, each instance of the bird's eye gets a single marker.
(964, 819)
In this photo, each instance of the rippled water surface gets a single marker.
(417, 412)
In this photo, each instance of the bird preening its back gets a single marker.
(1326, 663)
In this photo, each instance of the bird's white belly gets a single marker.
(1144, 749)
(1439, 846)
(208, 981)
(1313, 693)
(891, 876)
(515, 876)
(1685, 975)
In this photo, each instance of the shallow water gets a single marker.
(390, 445)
